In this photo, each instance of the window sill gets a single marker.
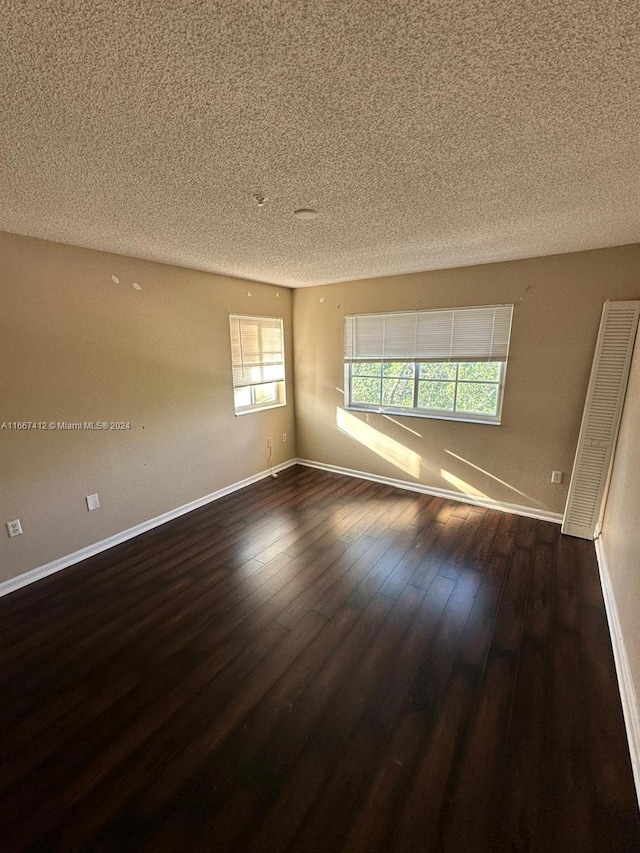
(255, 409)
(374, 410)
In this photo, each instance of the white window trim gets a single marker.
(410, 353)
(432, 414)
(241, 412)
(280, 383)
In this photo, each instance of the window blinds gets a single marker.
(257, 350)
(459, 334)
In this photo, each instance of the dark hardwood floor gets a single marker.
(317, 663)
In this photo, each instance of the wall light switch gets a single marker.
(93, 502)
(556, 476)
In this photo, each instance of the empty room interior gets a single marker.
(319, 409)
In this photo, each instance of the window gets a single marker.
(436, 364)
(257, 355)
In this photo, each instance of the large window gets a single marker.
(257, 354)
(440, 364)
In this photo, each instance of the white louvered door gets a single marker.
(601, 418)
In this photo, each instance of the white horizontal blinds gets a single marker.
(481, 334)
(363, 335)
(601, 418)
(257, 350)
(460, 334)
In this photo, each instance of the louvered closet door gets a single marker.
(601, 418)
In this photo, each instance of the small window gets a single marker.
(447, 364)
(257, 355)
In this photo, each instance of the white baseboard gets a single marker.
(628, 696)
(70, 559)
(516, 509)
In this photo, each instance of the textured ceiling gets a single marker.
(427, 134)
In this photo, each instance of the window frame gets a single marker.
(419, 337)
(279, 384)
(417, 411)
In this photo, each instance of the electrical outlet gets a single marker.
(556, 476)
(269, 443)
(93, 502)
(284, 437)
(14, 528)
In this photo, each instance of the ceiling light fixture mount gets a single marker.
(305, 213)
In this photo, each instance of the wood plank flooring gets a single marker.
(317, 663)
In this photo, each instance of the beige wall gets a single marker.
(620, 529)
(74, 346)
(558, 301)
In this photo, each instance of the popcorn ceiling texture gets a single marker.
(427, 134)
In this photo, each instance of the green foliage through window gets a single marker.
(442, 388)
(438, 370)
(437, 395)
